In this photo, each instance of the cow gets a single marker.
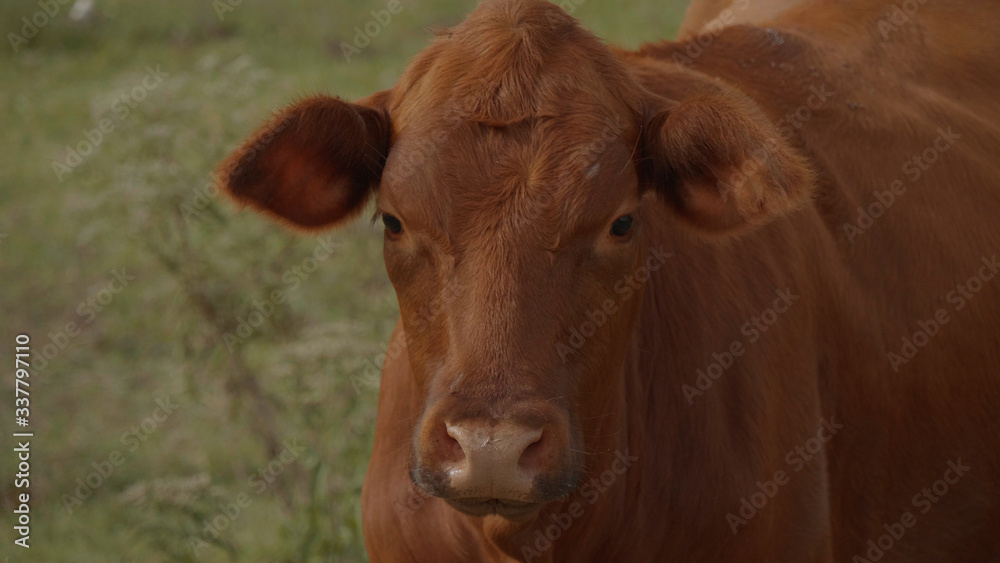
(732, 297)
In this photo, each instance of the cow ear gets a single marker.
(315, 163)
(723, 165)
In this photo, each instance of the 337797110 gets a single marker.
(21, 397)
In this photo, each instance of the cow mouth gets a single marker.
(510, 509)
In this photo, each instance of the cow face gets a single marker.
(500, 244)
(513, 167)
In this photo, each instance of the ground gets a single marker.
(204, 383)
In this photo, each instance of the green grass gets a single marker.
(194, 280)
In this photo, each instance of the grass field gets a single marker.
(180, 413)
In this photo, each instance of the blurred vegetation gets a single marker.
(138, 206)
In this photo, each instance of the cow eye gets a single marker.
(622, 226)
(392, 224)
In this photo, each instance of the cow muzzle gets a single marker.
(508, 466)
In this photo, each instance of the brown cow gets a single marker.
(732, 298)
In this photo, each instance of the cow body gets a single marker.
(870, 111)
(793, 357)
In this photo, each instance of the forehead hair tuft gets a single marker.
(515, 60)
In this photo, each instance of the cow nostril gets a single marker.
(449, 448)
(535, 453)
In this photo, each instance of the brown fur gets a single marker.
(518, 138)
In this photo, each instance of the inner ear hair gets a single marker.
(314, 164)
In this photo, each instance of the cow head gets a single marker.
(513, 167)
